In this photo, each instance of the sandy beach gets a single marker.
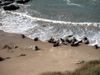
(48, 58)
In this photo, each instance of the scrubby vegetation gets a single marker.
(89, 68)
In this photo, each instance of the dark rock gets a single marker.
(11, 7)
(1, 59)
(22, 1)
(96, 46)
(0, 2)
(23, 36)
(36, 39)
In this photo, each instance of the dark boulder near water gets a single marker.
(11, 7)
(22, 1)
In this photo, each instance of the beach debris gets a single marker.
(80, 62)
(22, 1)
(96, 46)
(32, 47)
(6, 47)
(36, 39)
(23, 36)
(11, 7)
(22, 55)
(15, 47)
(85, 40)
(1, 59)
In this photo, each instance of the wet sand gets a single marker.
(48, 58)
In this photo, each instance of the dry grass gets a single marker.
(89, 68)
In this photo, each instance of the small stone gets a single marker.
(11, 7)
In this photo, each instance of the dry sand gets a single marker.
(48, 58)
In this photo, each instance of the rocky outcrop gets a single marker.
(11, 7)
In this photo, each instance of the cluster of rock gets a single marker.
(70, 40)
(8, 4)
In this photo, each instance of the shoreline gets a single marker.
(47, 58)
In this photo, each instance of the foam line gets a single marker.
(57, 21)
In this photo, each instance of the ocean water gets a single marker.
(54, 18)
